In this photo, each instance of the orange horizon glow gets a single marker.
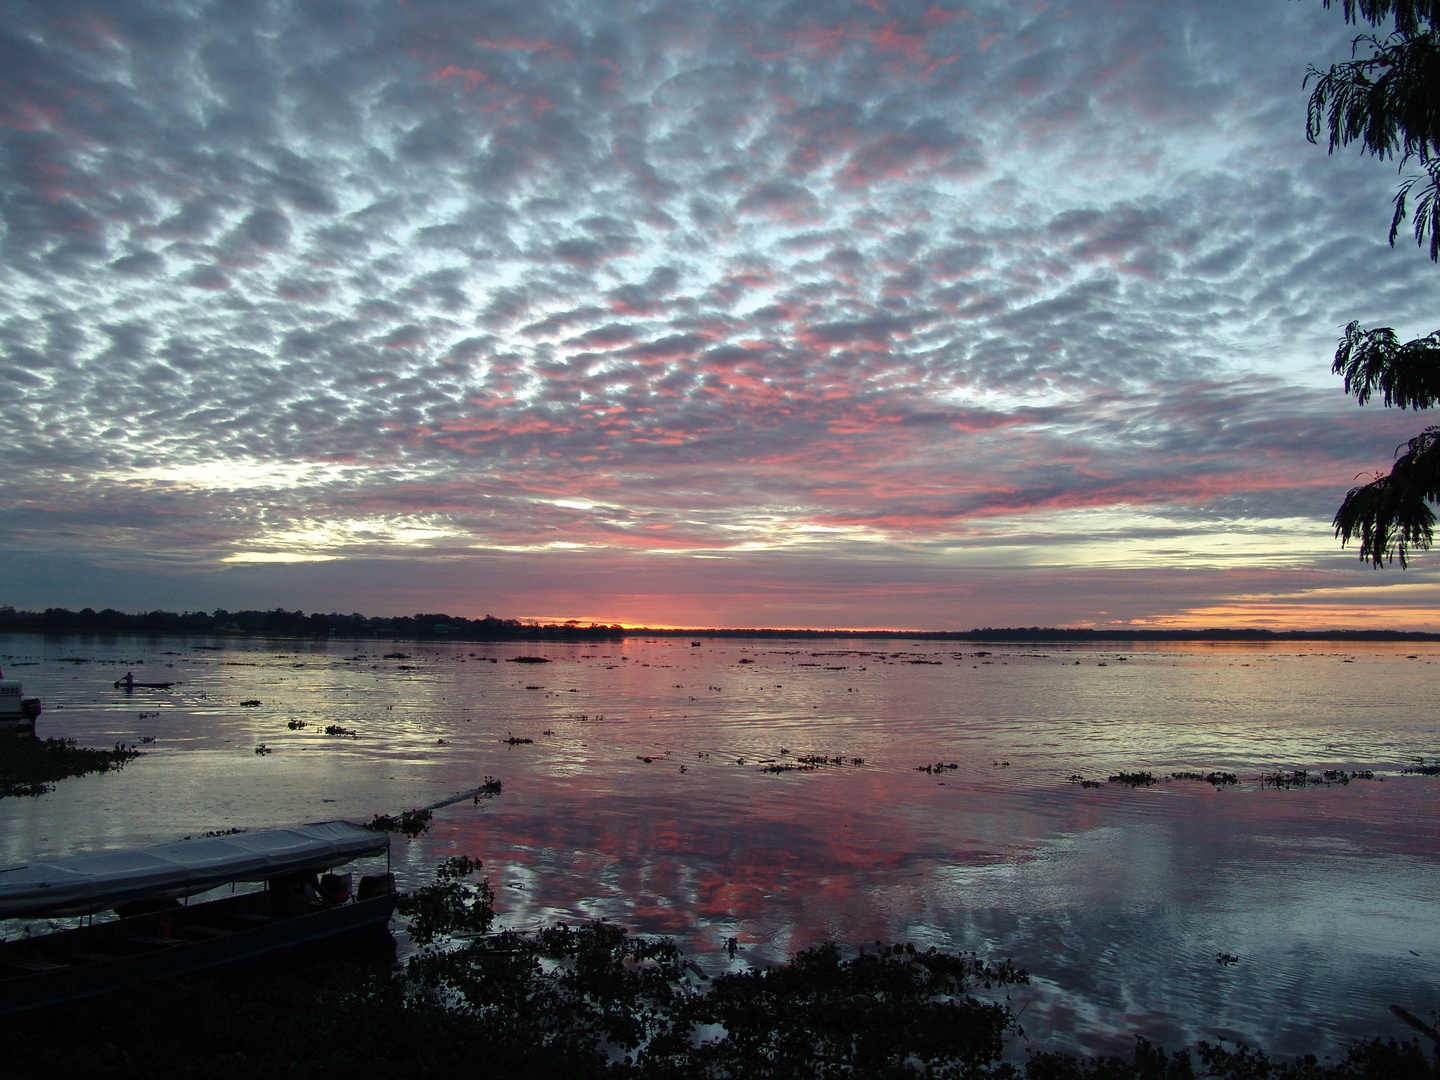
(1190, 620)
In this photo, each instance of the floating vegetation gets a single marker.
(251, 703)
(411, 823)
(30, 766)
(515, 740)
(1421, 769)
(222, 832)
(296, 725)
(592, 993)
(806, 762)
(527, 660)
(261, 749)
(939, 767)
(1225, 959)
(396, 656)
(451, 906)
(1218, 779)
(821, 759)
(1299, 778)
(1133, 779)
(344, 732)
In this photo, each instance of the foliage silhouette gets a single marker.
(1389, 102)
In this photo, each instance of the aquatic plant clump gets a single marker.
(30, 766)
(451, 906)
(594, 992)
(411, 823)
(1143, 778)
(1299, 778)
(1216, 779)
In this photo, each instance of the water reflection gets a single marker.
(1118, 900)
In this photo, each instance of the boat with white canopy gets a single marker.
(17, 712)
(159, 934)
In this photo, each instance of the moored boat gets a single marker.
(17, 712)
(158, 934)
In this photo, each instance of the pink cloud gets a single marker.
(515, 43)
(469, 76)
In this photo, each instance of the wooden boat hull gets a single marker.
(74, 964)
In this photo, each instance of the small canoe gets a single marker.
(131, 684)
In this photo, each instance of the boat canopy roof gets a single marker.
(80, 884)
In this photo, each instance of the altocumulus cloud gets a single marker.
(890, 313)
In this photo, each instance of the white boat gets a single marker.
(17, 712)
(160, 935)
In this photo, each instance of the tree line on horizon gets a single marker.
(282, 623)
(440, 627)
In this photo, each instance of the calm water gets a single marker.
(1116, 900)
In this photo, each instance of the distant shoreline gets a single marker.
(440, 627)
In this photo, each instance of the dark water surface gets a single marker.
(1117, 901)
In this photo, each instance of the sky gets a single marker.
(872, 314)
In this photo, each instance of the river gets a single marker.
(676, 789)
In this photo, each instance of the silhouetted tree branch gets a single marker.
(1389, 102)
(1391, 514)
